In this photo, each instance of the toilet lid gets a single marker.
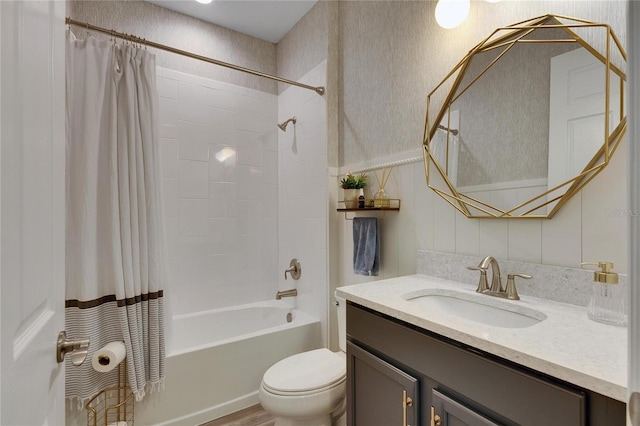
(306, 371)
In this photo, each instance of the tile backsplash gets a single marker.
(567, 285)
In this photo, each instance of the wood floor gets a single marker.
(252, 416)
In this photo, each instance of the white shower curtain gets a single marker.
(114, 244)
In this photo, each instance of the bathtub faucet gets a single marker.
(286, 293)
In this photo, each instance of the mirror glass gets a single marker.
(524, 124)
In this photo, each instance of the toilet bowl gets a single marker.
(308, 389)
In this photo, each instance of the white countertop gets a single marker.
(566, 345)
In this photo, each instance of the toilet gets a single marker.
(309, 388)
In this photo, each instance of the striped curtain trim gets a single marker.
(74, 303)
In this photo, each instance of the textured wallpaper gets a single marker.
(393, 53)
(182, 32)
(312, 40)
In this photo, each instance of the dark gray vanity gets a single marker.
(401, 374)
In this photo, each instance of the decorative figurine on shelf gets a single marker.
(352, 184)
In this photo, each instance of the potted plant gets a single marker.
(352, 186)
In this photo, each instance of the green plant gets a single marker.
(351, 181)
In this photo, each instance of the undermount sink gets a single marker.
(477, 308)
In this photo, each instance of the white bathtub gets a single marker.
(217, 358)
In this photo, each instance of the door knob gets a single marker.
(77, 347)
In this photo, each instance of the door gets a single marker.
(32, 122)
(379, 394)
(633, 29)
(576, 112)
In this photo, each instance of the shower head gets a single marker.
(283, 125)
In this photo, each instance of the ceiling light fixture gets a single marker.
(204, 1)
(451, 13)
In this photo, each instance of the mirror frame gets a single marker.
(508, 37)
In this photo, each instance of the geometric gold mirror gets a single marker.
(527, 118)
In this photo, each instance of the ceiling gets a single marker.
(268, 20)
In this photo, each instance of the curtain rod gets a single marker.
(319, 90)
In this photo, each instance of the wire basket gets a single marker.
(113, 406)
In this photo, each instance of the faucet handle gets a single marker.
(511, 291)
(483, 286)
(294, 269)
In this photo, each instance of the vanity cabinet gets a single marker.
(390, 360)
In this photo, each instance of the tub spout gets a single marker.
(286, 293)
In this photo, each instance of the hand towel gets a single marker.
(366, 246)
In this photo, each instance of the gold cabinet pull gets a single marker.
(435, 419)
(406, 402)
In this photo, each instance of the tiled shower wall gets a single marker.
(302, 193)
(219, 167)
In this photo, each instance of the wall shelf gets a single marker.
(384, 205)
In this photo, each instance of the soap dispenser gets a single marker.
(607, 303)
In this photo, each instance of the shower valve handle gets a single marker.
(294, 269)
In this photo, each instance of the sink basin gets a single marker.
(476, 308)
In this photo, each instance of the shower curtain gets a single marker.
(114, 242)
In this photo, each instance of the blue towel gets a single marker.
(366, 246)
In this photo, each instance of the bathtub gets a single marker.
(216, 360)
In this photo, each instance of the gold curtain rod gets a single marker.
(319, 90)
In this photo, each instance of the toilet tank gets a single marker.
(341, 309)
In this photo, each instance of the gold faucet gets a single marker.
(496, 282)
(286, 293)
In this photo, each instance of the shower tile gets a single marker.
(220, 272)
(222, 163)
(222, 200)
(169, 131)
(194, 141)
(249, 148)
(315, 167)
(270, 167)
(172, 229)
(223, 124)
(169, 157)
(198, 113)
(315, 201)
(314, 233)
(248, 218)
(194, 182)
(193, 247)
(193, 93)
(167, 87)
(168, 111)
(269, 199)
(248, 179)
(170, 197)
(222, 99)
(248, 120)
(259, 104)
(222, 236)
(193, 217)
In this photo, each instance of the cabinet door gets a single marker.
(379, 394)
(448, 412)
